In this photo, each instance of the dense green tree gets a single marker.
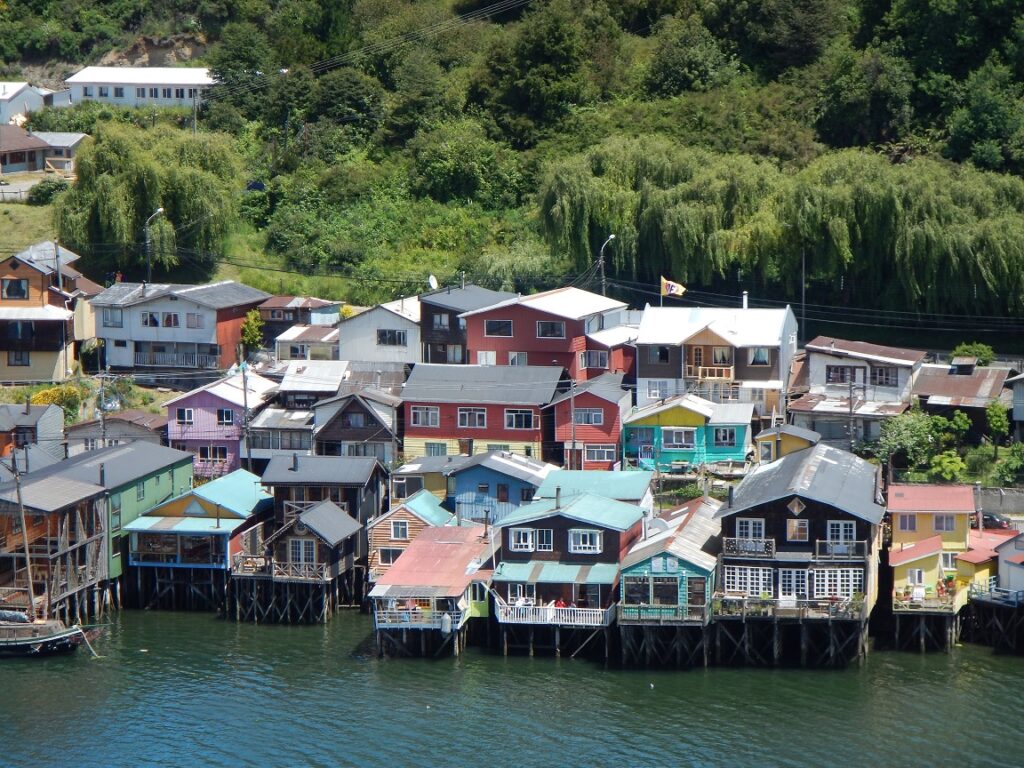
(241, 63)
(352, 98)
(988, 128)
(687, 57)
(907, 437)
(422, 97)
(983, 352)
(998, 420)
(947, 466)
(252, 331)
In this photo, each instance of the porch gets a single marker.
(419, 613)
(175, 355)
(551, 615)
(738, 607)
(663, 614)
(245, 565)
(711, 372)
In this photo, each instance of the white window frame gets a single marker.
(722, 357)
(194, 319)
(594, 358)
(486, 357)
(841, 530)
(385, 336)
(555, 325)
(473, 418)
(525, 592)
(487, 326)
(522, 539)
(600, 452)
(907, 521)
(435, 449)
(800, 525)
(748, 580)
(400, 530)
(725, 437)
(657, 389)
(793, 582)
(885, 376)
(586, 541)
(915, 577)
(225, 417)
(441, 321)
(838, 582)
(305, 548)
(150, 319)
(428, 416)
(109, 313)
(188, 414)
(213, 454)
(589, 416)
(948, 560)
(749, 527)
(518, 358)
(545, 540)
(948, 523)
(752, 355)
(669, 438)
(511, 415)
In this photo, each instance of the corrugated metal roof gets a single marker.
(226, 293)
(15, 139)
(823, 404)
(145, 419)
(732, 413)
(505, 384)
(687, 402)
(239, 492)
(184, 526)
(570, 302)
(13, 415)
(624, 486)
(324, 334)
(821, 473)
(47, 491)
(282, 418)
(408, 307)
(324, 470)
(10, 88)
(430, 464)
(931, 498)
(443, 560)
(585, 507)
(908, 553)
(863, 350)
(550, 572)
(194, 76)
(44, 255)
(62, 139)
(690, 534)
(616, 336)
(607, 386)
(230, 389)
(45, 313)
(465, 299)
(789, 429)
(331, 523)
(974, 390)
(314, 375)
(424, 505)
(523, 468)
(740, 327)
(123, 464)
(30, 458)
(297, 302)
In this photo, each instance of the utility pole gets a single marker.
(600, 265)
(572, 416)
(852, 374)
(803, 291)
(24, 536)
(245, 415)
(149, 244)
(103, 413)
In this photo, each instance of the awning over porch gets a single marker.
(551, 572)
(185, 526)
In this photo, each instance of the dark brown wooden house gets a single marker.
(363, 423)
(442, 332)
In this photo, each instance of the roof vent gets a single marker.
(295, 462)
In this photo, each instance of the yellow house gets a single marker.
(776, 442)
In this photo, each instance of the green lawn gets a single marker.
(22, 225)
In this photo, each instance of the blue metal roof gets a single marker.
(185, 526)
(426, 506)
(585, 507)
(625, 486)
(549, 572)
(238, 492)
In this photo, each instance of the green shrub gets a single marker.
(47, 189)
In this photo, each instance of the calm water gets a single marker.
(187, 689)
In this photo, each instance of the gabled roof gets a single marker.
(731, 413)
(523, 468)
(222, 295)
(862, 350)
(624, 486)
(931, 498)
(919, 549)
(466, 299)
(366, 393)
(408, 307)
(320, 470)
(607, 386)
(13, 415)
(282, 418)
(314, 375)
(15, 139)
(789, 429)
(29, 458)
(325, 334)
(230, 389)
(687, 402)
(424, 505)
(49, 490)
(144, 419)
(583, 507)
(1015, 537)
(974, 390)
(62, 139)
(616, 336)
(331, 523)
(194, 76)
(570, 303)
(689, 533)
(554, 572)
(297, 302)
(122, 464)
(983, 545)
(431, 464)
(11, 88)
(820, 473)
(740, 327)
(505, 384)
(440, 562)
(44, 256)
(239, 492)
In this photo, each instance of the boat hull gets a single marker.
(33, 640)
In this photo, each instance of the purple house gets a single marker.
(208, 421)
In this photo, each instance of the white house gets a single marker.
(173, 326)
(854, 382)
(141, 86)
(387, 333)
(17, 100)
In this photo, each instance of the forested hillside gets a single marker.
(727, 143)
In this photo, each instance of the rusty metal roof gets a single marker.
(442, 560)
(973, 390)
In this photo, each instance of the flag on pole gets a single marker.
(668, 288)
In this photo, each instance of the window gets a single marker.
(353, 420)
(522, 593)
(150, 319)
(115, 511)
(584, 541)
(725, 437)
(759, 356)
(487, 358)
(518, 418)
(594, 358)
(225, 417)
(679, 438)
(194, 320)
(302, 551)
(118, 92)
(276, 314)
(442, 322)
(436, 449)
(838, 582)
(140, 93)
(841, 530)
(18, 358)
(104, 91)
(517, 358)
(915, 577)
(140, 491)
(498, 447)
(749, 528)
(213, 453)
(949, 561)
(599, 452)
(154, 93)
(526, 494)
(400, 530)
(171, 320)
(839, 374)
(483, 489)
(87, 91)
(885, 377)
(90, 443)
(501, 492)
(945, 522)
(297, 351)
(14, 288)
(453, 353)
(179, 93)
(657, 354)
(425, 416)
(545, 539)
(497, 327)
(748, 581)
(184, 415)
(120, 342)
(907, 522)
(796, 530)
(793, 582)
(521, 539)
(550, 329)
(112, 317)
(165, 92)
(193, 92)
(594, 416)
(388, 555)
(389, 337)
(657, 390)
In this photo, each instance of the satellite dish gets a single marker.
(432, 282)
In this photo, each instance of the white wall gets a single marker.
(131, 99)
(818, 362)
(25, 101)
(359, 338)
(132, 329)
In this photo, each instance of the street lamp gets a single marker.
(149, 244)
(600, 264)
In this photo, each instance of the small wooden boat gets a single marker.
(21, 636)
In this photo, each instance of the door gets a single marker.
(696, 591)
(647, 452)
(841, 536)
(698, 359)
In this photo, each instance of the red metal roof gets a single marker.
(441, 558)
(1017, 559)
(975, 390)
(983, 545)
(832, 346)
(915, 551)
(931, 498)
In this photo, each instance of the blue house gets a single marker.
(493, 484)
(686, 431)
(668, 576)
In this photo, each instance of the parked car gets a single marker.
(992, 520)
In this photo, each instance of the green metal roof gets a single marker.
(585, 507)
(426, 506)
(549, 572)
(185, 526)
(238, 492)
(626, 486)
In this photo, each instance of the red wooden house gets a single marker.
(549, 328)
(480, 408)
(597, 406)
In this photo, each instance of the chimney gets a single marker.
(730, 496)
(558, 497)
(744, 299)
(143, 287)
(778, 445)
(103, 475)
(487, 522)
(295, 462)
(28, 404)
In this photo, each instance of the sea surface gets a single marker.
(193, 690)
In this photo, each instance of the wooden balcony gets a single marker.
(711, 372)
(737, 607)
(288, 571)
(825, 549)
(175, 360)
(748, 547)
(997, 595)
(663, 614)
(947, 603)
(552, 616)
(419, 619)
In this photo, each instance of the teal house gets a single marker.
(668, 576)
(686, 431)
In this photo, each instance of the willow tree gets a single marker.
(127, 173)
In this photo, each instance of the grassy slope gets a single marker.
(21, 225)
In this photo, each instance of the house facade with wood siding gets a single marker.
(391, 533)
(597, 406)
